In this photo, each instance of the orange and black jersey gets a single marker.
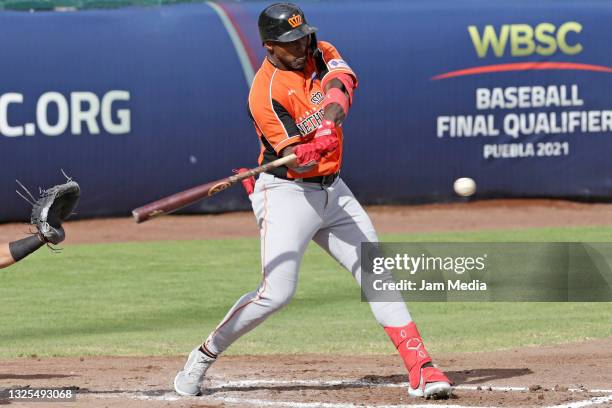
(287, 107)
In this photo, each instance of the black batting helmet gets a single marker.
(283, 22)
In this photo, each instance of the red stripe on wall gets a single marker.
(523, 66)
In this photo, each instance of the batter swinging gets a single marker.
(298, 100)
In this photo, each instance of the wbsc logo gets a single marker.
(524, 40)
(78, 112)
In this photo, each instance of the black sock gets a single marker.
(204, 350)
(24, 247)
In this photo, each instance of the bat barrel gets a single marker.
(154, 209)
(179, 200)
(140, 215)
(184, 198)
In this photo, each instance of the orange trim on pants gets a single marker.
(263, 270)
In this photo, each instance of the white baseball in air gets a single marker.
(465, 186)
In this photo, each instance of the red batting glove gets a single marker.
(327, 128)
(307, 154)
(311, 153)
(324, 142)
(326, 138)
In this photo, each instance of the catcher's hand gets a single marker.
(54, 206)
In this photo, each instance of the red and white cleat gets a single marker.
(425, 380)
(432, 384)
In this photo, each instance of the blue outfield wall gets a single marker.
(138, 103)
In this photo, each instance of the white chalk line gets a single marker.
(289, 404)
(293, 404)
(171, 396)
(222, 384)
(585, 403)
(331, 383)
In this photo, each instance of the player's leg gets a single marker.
(346, 225)
(15, 251)
(284, 238)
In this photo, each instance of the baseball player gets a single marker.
(298, 100)
(54, 206)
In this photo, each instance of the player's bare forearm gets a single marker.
(286, 152)
(334, 112)
(6, 259)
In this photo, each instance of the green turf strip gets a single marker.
(163, 298)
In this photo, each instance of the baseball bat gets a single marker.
(184, 198)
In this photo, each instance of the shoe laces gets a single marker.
(198, 368)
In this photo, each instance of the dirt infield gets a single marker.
(488, 214)
(547, 376)
(564, 376)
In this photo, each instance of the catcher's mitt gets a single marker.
(54, 206)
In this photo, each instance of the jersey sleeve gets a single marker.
(334, 61)
(272, 117)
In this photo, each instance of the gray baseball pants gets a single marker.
(290, 214)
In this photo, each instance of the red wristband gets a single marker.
(335, 95)
(347, 80)
(248, 183)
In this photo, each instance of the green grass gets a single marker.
(162, 298)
